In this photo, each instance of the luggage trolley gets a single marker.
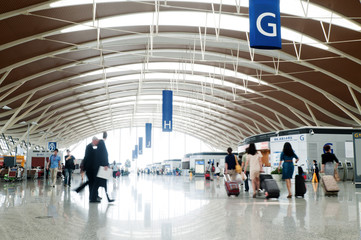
(11, 176)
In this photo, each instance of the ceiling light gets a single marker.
(181, 18)
(290, 7)
(6, 107)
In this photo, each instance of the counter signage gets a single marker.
(289, 138)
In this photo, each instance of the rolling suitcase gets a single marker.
(330, 185)
(300, 186)
(232, 188)
(263, 177)
(207, 176)
(269, 185)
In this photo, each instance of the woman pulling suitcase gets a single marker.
(254, 159)
(328, 159)
(287, 156)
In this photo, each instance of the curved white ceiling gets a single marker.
(107, 65)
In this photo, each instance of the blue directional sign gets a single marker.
(148, 135)
(140, 146)
(265, 24)
(167, 125)
(51, 146)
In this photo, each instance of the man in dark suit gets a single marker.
(91, 166)
(102, 157)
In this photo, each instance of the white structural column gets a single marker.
(11, 120)
(313, 116)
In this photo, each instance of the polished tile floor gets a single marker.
(167, 207)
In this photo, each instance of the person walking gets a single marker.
(328, 159)
(91, 166)
(54, 165)
(287, 156)
(218, 170)
(244, 159)
(254, 160)
(102, 156)
(230, 165)
(69, 168)
(211, 169)
(115, 169)
(315, 170)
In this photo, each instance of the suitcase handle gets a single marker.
(227, 177)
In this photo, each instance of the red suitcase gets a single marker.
(207, 176)
(232, 188)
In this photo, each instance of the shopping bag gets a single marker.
(239, 178)
(243, 176)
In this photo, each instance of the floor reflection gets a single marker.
(166, 207)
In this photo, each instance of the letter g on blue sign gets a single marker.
(265, 24)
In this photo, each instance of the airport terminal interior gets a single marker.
(175, 83)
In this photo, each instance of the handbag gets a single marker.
(238, 167)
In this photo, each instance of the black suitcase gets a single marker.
(269, 185)
(263, 177)
(271, 188)
(300, 186)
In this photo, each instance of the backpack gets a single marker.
(213, 169)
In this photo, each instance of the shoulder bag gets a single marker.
(238, 167)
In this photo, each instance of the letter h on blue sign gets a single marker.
(167, 124)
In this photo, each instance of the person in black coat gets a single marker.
(102, 157)
(91, 166)
(328, 166)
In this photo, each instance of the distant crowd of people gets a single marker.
(251, 163)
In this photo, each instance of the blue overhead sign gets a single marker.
(265, 24)
(167, 125)
(140, 146)
(148, 135)
(51, 146)
(136, 151)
